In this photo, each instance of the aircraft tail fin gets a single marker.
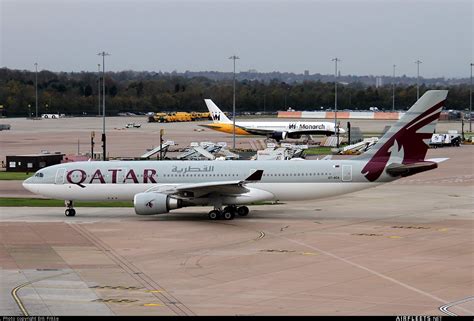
(217, 115)
(407, 141)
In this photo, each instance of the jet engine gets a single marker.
(279, 135)
(150, 203)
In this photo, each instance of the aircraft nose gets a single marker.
(27, 184)
(342, 130)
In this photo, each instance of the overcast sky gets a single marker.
(369, 36)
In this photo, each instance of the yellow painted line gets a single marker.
(152, 305)
(16, 289)
(395, 237)
(153, 291)
(18, 301)
(442, 230)
(309, 253)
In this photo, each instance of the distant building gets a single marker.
(306, 73)
(32, 162)
(378, 82)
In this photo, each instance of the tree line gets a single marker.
(76, 93)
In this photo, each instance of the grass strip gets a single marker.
(14, 176)
(41, 202)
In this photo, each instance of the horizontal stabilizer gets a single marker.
(437, 160)
(404, 170)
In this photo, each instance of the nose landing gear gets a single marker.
(70, 211)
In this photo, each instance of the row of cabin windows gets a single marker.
(266, 175)
(223, 175)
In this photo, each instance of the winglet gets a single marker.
(255, 176)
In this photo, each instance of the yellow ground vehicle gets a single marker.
(179, 116)
(156, 117)
(201, 116)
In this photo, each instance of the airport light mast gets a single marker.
(393, 88)
(336, 129)
(98, 89)
(470, 102)
(103, 54)
(234, 57)
(36, 87)
(418, 62)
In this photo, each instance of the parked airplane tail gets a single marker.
(407, 141)
(217, 115)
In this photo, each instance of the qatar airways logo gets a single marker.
(406, 145)
(113, 175)
(149, 204)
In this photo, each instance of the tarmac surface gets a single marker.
(403, 248)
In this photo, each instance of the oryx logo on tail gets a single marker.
(407, 141)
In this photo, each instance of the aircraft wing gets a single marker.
(229, 188)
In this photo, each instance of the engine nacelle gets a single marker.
(279, 135)
(150, 203)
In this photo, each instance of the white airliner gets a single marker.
(277, 130)
(156, 187)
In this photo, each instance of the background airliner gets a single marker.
(277, 130)
(157, 187)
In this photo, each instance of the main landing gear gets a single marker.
(70, 211)
(228, 213)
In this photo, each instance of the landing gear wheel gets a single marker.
(214, 214)
(228, 215)
(243, 211)
(70, 212)
(230, 208)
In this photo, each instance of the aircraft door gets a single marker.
(59, 179)
(346, 173)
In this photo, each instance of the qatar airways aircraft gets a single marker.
(156, 187)
(277, 130)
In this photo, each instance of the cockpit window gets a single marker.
(39, 175)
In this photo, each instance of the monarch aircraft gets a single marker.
(156, 187)
(277, 130)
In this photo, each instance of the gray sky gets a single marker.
(369, 36)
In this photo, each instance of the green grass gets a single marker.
(14, 176)
(319, 151)
(39, 202)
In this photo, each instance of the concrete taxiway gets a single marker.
(400, 248)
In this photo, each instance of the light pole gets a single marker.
(36, 88)
(470, 103)
(418, 62)
(103, 54)
(234, 57)
(98, 89)
(393, 88)
(335, 101)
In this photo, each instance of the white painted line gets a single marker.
(409, 287)
(444, 308)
